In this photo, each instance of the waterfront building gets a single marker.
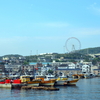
(2, 70)
(68, 69)
(96, 72)
(86, 69)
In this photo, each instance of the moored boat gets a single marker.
(47, 82)
(86, 76)
(81, 76)
(29, 82)
(75, 75)
(5, 85)
(34, 82)
(17, 83)
(71, 82)
(60, 81)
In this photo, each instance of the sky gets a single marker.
(31, 27)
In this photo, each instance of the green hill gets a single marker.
(94, 50)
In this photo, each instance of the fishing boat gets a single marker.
(71, 82)
(75, 76)
(34, 82)
(86, 76)
(47, 82)
(16, 83)
(5, 85)
(81, 76)
(50, 76)
(29, 82)
(61, 80)
(89, 75)
(11, 83)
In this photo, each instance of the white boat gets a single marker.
(86, 76)
(50, 76)
(71, 82)
(89, 75)
(5, 85)
(61, 80)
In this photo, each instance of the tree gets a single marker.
(94, 62)
(25, 63)
(50, 71)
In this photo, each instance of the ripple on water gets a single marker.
(86, 89)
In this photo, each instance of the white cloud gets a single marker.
(94, 8)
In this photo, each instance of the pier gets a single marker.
(40, 88)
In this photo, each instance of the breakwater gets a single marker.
(40, 88)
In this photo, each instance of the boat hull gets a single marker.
(5, 85)
(18, 86)
(60, 83)
(72, 82)
(48, 83)
(33, 83)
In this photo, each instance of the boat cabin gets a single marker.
(25, 78)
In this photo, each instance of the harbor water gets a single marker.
(85, 89)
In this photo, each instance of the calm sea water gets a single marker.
(86, 89)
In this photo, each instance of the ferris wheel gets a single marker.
(72, 45)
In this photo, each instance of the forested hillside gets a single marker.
(95, 50)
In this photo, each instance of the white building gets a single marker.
(86, 69)
(67, 66)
